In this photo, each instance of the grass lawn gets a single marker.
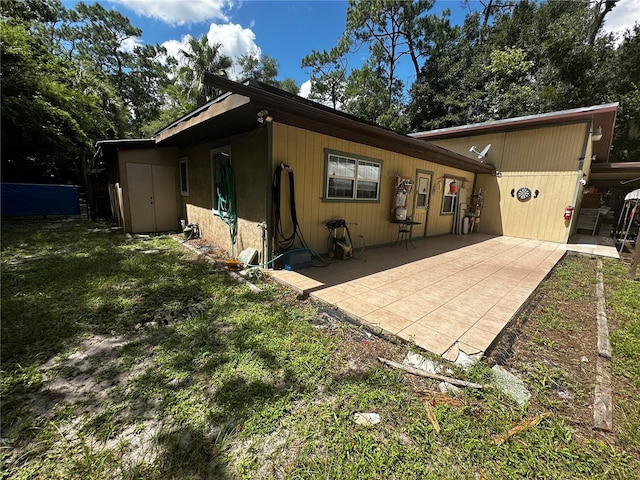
(137, 359)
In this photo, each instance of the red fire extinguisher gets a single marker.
(568, 212)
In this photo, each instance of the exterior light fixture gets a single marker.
(263, 116)
(597, 134)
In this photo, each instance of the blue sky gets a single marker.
(286, 30)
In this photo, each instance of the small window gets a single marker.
(184, 176)
(423, 190)
(220, 161)
(352, 178)
(449, 196)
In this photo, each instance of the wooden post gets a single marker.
(604, 346)
(603, 398)
(636, 258)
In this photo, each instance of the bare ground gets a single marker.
(552, 344)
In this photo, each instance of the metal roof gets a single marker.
(237, 113)
(603, 116)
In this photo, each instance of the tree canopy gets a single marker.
(508, 59)
(72, 76)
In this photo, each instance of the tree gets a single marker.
(599, 10)
(392, 31)
(265, 69)
(366, 97)
(512, 60)
(99, 41)
(625, 85)
(51, 115)
(451, 90)
(69, 79)
(328, 74)
(200, 57)
(510, 90)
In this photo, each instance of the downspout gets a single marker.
(267, 241)
(578, 188)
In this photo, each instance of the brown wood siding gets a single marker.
(249, 163)
(304, 151)
(543, 159)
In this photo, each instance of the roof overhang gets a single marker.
(603, 116)
(107, 147)
(621, 175)
(222, 117)
(237, 111)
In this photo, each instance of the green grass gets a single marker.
(623, 300)
(235, 384)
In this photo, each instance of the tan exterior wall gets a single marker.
(544, 159)
(151, 156)
(304, 151)
(249, 162)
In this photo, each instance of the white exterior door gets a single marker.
(422, 197)
(152, 197)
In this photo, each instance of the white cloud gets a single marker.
(174, 46)
(130, 43)
(305, 89)
(623, 16)
(179, 12)
(234, 40)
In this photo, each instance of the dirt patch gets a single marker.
(205, 251)
(555, 353)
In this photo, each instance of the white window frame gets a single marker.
(358, 161)
(216, 155)
(446, 193)
(184, 177)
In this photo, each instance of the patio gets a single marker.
(451, 293)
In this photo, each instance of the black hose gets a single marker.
(285, 242)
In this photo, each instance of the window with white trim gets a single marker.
(449, 197)
(184, 176)
(350, 177)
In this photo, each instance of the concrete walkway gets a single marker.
(450, 293)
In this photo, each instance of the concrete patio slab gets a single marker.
(451, 293)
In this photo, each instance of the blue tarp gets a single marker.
(26, 199)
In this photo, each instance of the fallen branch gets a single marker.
(432, 417)
(438, 397)
(529, 422)
(434, 376)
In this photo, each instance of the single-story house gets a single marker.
(342, 168)
(230, 166)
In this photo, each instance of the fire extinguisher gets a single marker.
(568, 212)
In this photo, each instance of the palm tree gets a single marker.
(200, 57)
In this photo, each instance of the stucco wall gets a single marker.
(543, 159)
(249, 163)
